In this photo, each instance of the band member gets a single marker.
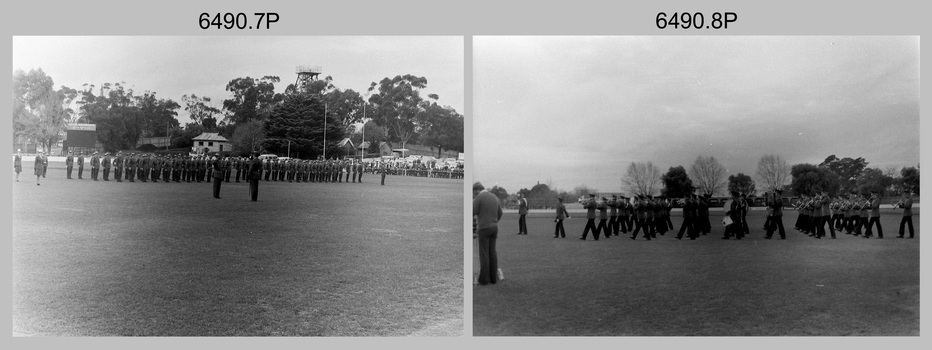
(776, 214)
(907, 204)
(733, 213)
(254, 173)
(522, 214)
(590, 207)
(623, 215)
(874, 213)
(562, 214)
(640, 223)
(69, 163)
(613, 214)
(603, 218)
(80, 166)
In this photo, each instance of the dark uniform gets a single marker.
(874, 207)
(255, 172)
(522, 216)
(603, 218)
(118, 167)
(907, 205)
(776, 216)
(562, 214)
(217, 175)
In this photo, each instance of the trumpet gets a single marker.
(900, 203)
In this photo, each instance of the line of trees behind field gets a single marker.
(254, 118)
(706, 176)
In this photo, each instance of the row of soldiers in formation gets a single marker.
(849, 213)
(652, 215)
(647, 215)
(178, 168)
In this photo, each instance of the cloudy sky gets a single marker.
(578, 110)
(176, 66)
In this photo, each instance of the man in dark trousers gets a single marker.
(217, 175)
(603, 218)
(81, 166)
(69, 162)
(255, 172)
(37, 167)
(907, 204)
(562, 214)
(590, 207)
(487, 212)
(775, 204)
(118, 167)
(522, 214)
(383, 171)
(874, 212)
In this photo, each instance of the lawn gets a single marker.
(308, 259)
(800, 286)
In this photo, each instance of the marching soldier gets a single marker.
(613, 214)
(590, 207)
(562, 214)
(776, 214)
(689, 219)
(81, 165)
(602, 227)
(106, 164)
(874, 212)
(69, 163)
(907, 204)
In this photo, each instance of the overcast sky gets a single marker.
(176, 66)
(579, 110)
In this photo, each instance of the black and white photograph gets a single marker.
(237, 186)
(696, 186)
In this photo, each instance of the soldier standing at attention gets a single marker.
(95, 166)
(359, 170)
(156, 165)
(69, 163)
(522, 214)
(18, 163)
(81, 166)
(106, 163)
(383, 170)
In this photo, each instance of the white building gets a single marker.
(209, 142)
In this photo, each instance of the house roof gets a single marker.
(210, 136)
(345, 141)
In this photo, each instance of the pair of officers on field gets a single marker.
(645, 214)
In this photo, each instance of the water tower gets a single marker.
(306, 74)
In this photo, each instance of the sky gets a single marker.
(182, 65)
(570, 111)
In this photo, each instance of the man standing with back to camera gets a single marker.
(487, 211)
(255, 172)
(522, 214)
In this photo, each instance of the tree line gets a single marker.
(254, 118)
(706, 176)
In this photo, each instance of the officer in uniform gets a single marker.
(382, 171)
(69, 162)
(640, 223)
(613, 215)
(254, 173)
(689, 218)
(217, 175)
(562, 214)
(106, 164)
(907, 204)
(602, 227)
(81, 166)
(156, 164)
(359, 170)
